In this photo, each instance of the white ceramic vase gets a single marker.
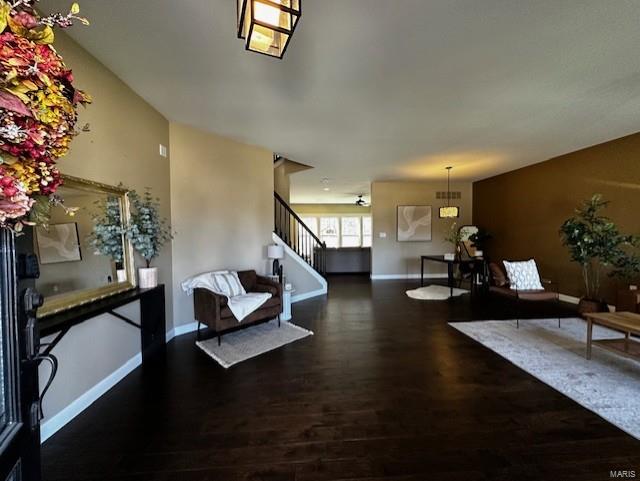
(121, 275)
(147, 277)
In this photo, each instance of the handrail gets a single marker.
(298, 236)
(296, 217)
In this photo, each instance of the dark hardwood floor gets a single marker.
(385, 390)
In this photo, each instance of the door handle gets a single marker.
(53, 362)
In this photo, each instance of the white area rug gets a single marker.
(608, 385)
(251, 342)
(434, 293)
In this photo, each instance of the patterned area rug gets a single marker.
(251, 342)
(434, 293)
(608, 385)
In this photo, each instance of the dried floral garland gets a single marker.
(38, 111)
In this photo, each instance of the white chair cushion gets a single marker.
(523, 276)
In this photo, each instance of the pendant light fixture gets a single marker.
(267, 25)
(449, 212)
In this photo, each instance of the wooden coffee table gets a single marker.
(627, 323)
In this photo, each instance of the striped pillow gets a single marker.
(228, 284)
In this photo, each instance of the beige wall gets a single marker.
(222, 207)
(281, 181)
(524, 209)
(121, 147)
(392, 258)
(335, 209)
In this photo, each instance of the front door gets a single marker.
(19, 408)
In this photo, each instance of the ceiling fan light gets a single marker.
(267, 25)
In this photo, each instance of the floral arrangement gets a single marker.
(38, 111)
(454, 236)
(108, 230)
(147, 231)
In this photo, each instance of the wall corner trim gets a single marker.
(59, 420)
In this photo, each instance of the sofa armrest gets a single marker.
(207, 306)
(264, 284)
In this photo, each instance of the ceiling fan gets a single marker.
(360, 202)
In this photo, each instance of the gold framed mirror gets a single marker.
(83, 254)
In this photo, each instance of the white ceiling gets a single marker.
(379, 89)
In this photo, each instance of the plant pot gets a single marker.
(121, 275)
(147, 277)
(628, 301)
(591, 305)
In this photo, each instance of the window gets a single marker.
(350, 232)
(367, 232)
(340, 231)
(311, 223)
(329, 227)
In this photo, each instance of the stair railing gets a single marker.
(298, 236)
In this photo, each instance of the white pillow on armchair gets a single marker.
(523, 276)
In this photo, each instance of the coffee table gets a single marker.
(627, 323)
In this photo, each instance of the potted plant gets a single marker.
(595, 243)
(148, 232)
(108, 233)
(454, 236)
(627, 269)
(479, 241)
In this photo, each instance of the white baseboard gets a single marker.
(569, 299)
(182, 329)
(384, 277)
(308, 295)
(576, 300)
(56, 422)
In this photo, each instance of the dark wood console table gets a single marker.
(152, 319)
(471, 263)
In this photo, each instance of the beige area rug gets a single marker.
(434, 293)
(251, 342)
(608, 384)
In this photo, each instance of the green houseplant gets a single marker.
(108, 233)
(595, 243)
(454, 237)
(148, 232)
(479, 240)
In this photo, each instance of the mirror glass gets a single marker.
(83, 253)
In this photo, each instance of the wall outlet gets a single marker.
(382, 235)
(163, 150)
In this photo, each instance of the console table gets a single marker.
(152, 319)
(471, 263)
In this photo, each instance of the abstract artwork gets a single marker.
(58, 243)
(414, 223)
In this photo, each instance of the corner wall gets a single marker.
(222, 208)
(393, 259)
(525, 208)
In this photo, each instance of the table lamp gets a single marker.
(275, 252)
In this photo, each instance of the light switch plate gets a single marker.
(163, 150)
(382, 235)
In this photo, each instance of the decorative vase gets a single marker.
(121, 275)
(147, 277)
(591, 305)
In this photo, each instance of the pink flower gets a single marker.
(25, 19)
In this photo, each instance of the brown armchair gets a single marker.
(499, 284)
(212, 310)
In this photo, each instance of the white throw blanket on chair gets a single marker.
(241, 305)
